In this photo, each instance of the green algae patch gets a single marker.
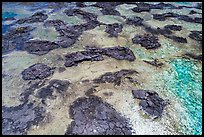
(186, 85)
(110, 19)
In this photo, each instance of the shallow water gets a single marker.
(179, 80)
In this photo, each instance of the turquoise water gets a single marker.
(6, 15)
(187, 85)
(184, 3)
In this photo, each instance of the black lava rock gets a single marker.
(93, 116)
(147, 41)
(196, 35)
(150, 102)
(37, 71)
(137, 21)
(39, 47)
(114, 77)
(18, 119)
(177, 39)
(37, 17)
(192, 55)
(173, 27)
(114, 29)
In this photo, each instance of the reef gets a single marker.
(93, 116)
(148, 41)
(114, 77)
(150, 102)
(36, 17)
(114, 29)
(173, 27)
(37, 71)
(18, 119)
(95, 54)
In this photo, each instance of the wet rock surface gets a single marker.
(114, 77)
(37, 71)
(148, 41)
(17, 120)
(162, 17)
(58, 86)
(173, 27)
(39, 47)
(194, 56)
(137, 21)
(141, 8)
(150, 102)
(177, 39)
(92, 116)
(114, 29)
(36, 17)
(110, 12)
(15, 38)
(95, 54)
(196, 35)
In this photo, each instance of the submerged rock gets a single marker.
(196, 35)
(110, 12)
(147, 41)
(155, 63)
(58, 86)
(150, 102)
(177, 39)
(39, 47)
(37, 71)
(162, 17)
(37, 17)
(173, 27)
(141, 9)
(114, 29)
(93, 116)
(95, 54)
(137, 21)
(114, 77)
(192, 55)
(18, 120)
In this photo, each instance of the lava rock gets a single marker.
(120, 53)
(162, 17)
(110, 12)
(196, 35)
(37, 71)
(142, 7)
(93, 116)
(58, 86)
(137, 21)
(150, 102)
(39, 47)
(114, 77)
(18, 120)
(114, 29)
(147, 41)
(155, 63)
(95, 54)
(193, 12)
(107, 5)
(90, 91)
(192, 55)
(173, 27)
(37, 17)
(61, 69)
(177, 39)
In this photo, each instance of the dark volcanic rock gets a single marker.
(155, 63)
(177, 39)
(58, 86)
(147, 41)
(37, 17)
(61, 69)
(162, 17)
(114, 29)
(17, 120)
(173, 27)
(114, 77)
(150, 102)
(93, 116)
(107, 5)
(39, 47)
(15, 38)
(196, 35)
(110, 12)
(120, 53)
(193, 12)
(95, 54)
(74, 58)
(90, 91)
(142, 7)
(192, 55)
(37, 71)
(137, 21)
